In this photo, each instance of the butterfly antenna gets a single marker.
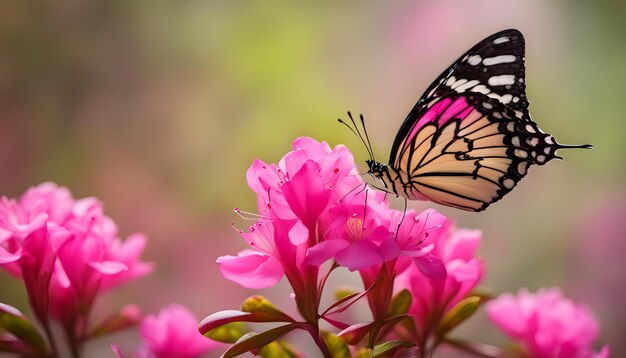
(354, 129)
(369, 144)
(369, 149)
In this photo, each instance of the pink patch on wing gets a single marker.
(441, 112)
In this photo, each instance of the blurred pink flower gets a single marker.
(433, 296)
(36, 263)
(173, 333)
(76, 255)
(548, 324)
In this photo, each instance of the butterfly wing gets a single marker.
(470, 151)
(469, 140)
(493, 67)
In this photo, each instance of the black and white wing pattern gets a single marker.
(493, 67)
(469, 139)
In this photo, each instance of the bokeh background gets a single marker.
(158, 108)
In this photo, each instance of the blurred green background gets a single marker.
(158, 108)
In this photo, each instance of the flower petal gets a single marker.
(298, 234)
(251, 271)
(260, 175)
(389, 249)
(323, 251)
(7, 257)
(462, 245)
(306, 194)
(431, 266)
(359, 255)
(108, 267)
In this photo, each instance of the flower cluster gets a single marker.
(433, 299)
(547, 324)
(67, 252)
(315, 215)
(314, 207)
(418, 271)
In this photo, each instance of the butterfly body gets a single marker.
(469, 139)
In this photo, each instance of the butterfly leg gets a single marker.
(401, 220)
(387, 191)
(355, 194)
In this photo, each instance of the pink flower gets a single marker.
(314, 207)
(352, 240)
(173, 333)
(410, 243)
(434, 295)
(36, 264)
(78, 253)
(417, 238)
(292, 198)
(548, 324)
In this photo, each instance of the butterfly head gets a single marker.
(375, 168)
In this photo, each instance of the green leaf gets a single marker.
(252, 341)
(228, 333)
(254, 309)
(344, 291)
(264, 310)
(355, 333)
(15, 323)
(484, 294)
(337, 346)
(400, 303)
(484, 350)
(10, 344)
(289, 349)
(278, 348)
(363, 353)
(458, 314)
(347, 301)
(221, 318)
(392, 321)
(388, 348)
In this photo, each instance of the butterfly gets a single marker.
(469, 139)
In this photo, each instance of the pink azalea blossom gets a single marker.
(315, 207)
(78, 252)
(417, 238)
(36, 264)
(352, 240)
(173, 333)
(292, 196)
(411, 245)
(547, 324)
(311, 208)
(433, 296)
